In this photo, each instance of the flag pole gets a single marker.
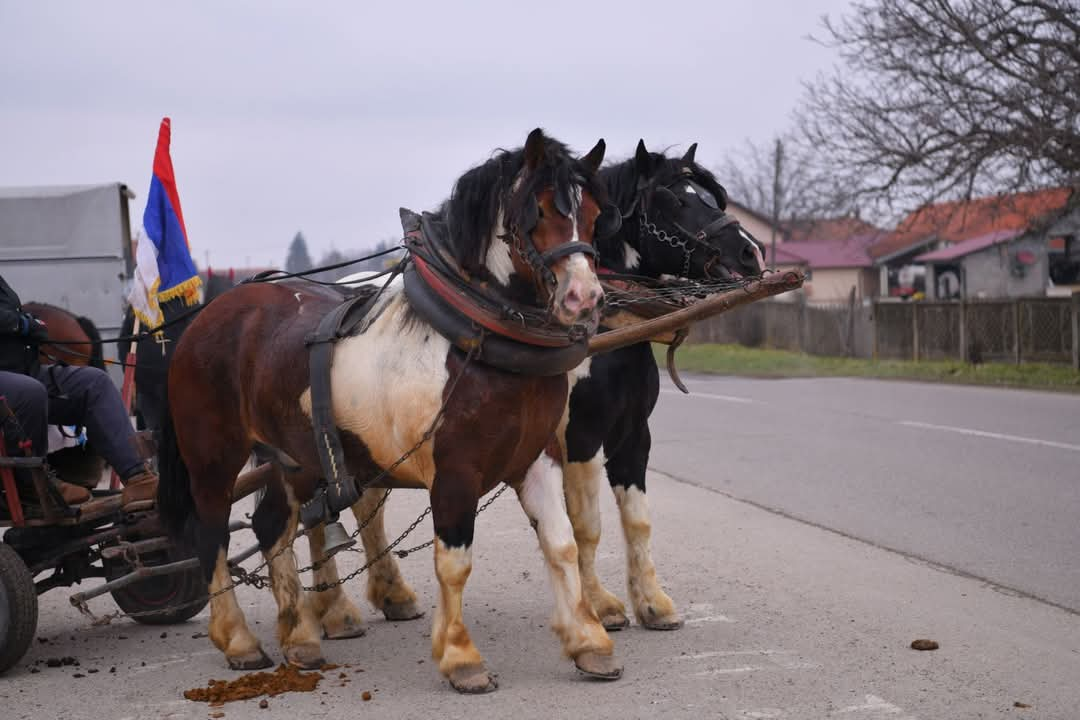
(127, 391)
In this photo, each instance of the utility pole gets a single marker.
(777, 194)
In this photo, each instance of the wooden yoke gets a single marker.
(660, 329)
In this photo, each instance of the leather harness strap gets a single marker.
(340, 490)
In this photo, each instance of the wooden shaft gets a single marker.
(704, 308)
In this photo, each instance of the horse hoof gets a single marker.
(305, 657)
(257, 660)
(615, 622)
(601, 667)
(348, 630)
(399, 612)
(472, 680)
(669, 623)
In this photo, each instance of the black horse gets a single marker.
(675, 224)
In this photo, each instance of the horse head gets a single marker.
(677, 222)
(526, 220)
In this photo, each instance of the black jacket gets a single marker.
(17, 352)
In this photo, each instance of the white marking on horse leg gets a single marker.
(385, 585)
(541, 497)
(631, 257)
(581, 482)
(298, 628)
(450, 641)
(228, 630)
(652, 606)
(338, 615)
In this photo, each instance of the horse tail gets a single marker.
(176, 505)
(97, 355)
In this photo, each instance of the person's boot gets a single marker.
(72, 494)
(140, 491)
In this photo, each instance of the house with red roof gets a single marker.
(1002, 246)
(832, 252)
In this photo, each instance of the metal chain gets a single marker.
(409, 551)
(668, 239)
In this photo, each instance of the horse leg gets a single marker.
(386, 588)
(453, 509)
(340, 618)
(653, 607)
(583, 637)
(205, 500)
(228, 630)
(298, 628)
(581, 482)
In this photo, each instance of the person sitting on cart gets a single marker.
(40, 395)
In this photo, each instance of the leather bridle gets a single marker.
(683, 239)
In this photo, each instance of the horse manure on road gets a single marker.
(286, 678)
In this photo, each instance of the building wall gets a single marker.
(989, 273)
(833, 284)
(762, 231)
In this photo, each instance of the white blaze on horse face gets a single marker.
(578, 289)
(498, 260)
(388, 385)
(631, 257)
(756, 249)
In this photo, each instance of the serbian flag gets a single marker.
(164, 269)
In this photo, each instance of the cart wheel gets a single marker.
(18, 607)
(175, 597)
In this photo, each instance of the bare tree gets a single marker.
(948, 99)
(771, 179)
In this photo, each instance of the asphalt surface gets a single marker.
(982, 481)
(785, 618)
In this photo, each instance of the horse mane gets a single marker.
(621, 182)
(472, 210)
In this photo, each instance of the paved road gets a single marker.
(983, 481)
(785, 619)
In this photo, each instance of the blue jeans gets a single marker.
(69, 395)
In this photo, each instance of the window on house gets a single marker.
(1064, 256)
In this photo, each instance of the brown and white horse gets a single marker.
(675, 224)
(239, 379)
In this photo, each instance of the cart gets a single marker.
(148, 576)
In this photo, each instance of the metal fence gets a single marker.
(1020, 330)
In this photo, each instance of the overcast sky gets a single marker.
(326, 118)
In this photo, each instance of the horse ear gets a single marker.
(642, 160)
(689, 156)
(595, 156)
(534, 149)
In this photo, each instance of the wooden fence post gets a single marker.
(1016, 331)
(1076, 330)
(802, 333)
(874, 328)
(914, 331)
(963, 331)
(850, 340)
